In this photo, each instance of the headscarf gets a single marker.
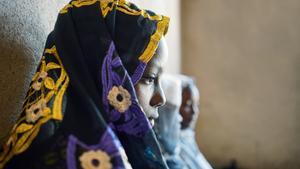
(81, 109)
(168, 123)
(190, 152)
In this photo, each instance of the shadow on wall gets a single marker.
(24, 26)
(15, 68)
(233, 165)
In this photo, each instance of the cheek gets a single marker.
(186, 113)
(144, 94)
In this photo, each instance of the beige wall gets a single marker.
(245, 55)
(24, 26)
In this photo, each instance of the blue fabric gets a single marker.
(190, 152)
(168, 133)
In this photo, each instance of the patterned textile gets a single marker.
(81, 109)
(190, 152)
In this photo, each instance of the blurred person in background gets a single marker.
(168, 123)
(189, 111)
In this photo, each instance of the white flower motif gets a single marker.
(95, 160)
(119, 98)
(37, 84)
(36, 111)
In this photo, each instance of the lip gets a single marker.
(152, 116)
(152, 121)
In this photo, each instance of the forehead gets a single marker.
(160, 57)
(186, 93)
(191, 92)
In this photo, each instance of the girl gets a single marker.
(93, 99)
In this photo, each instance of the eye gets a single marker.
(148, 79)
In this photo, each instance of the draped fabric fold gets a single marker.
(81, 107)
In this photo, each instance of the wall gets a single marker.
(23, 30)
(246, 56)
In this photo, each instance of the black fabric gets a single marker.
(82, 37)
(93, 40)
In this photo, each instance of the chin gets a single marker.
(152, 122)
(152, 116)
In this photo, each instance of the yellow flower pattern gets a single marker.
(43, 102)
(119, 98)
(37, 111)
(37, 84)
(95, 159)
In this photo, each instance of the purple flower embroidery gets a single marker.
(108, 153)
(126, 115)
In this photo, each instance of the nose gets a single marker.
(179, 118)
(158, 99)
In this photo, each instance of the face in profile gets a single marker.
(189, 107)
(149, 91)
(168, 124)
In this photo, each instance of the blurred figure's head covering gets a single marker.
(81, 109)
(168, 123)
(190, 153)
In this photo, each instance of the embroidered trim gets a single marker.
(162, 24)
(162, 28)
(125, 7)
(37, 84)
(77, 3)
(57, 104)
(109, 147)
(36, 111)
(44, 93)
(109, 5)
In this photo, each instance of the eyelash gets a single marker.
(149, 80)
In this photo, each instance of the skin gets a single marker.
(168, 126)
(149, 91)
(189, 108)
